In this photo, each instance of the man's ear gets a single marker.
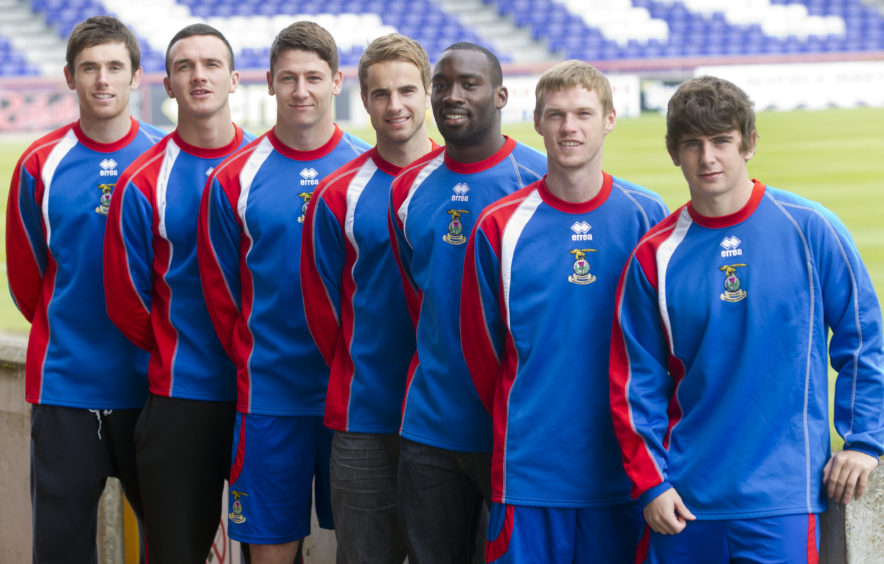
(501, 96)
(69, 78)
(136, 78)
(168, 86)
(750, 151)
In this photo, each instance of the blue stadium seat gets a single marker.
(690, 33)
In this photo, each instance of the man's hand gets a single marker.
(667, 514)
(848, 472)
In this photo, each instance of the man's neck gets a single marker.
(106, 130)
(308, 139)
(475, 153)
(721, 205)
(209, 133)
(403, 154)
(575, 185)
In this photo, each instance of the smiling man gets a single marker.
(537, 306)
(251, 221)
(155, 298)
(86, 380)
(719, 376)
(444, 465)
(355, 305)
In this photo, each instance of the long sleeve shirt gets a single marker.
(55, 222)
(353, 297)
(537, 306)
(719, 382)
(251, 223)
(152, 279)
(434, 205)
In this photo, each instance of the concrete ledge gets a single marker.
(852, 534)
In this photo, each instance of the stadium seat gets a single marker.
(608, 29)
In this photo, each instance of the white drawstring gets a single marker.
(98, 413)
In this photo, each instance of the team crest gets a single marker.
(236, 514)
(581, 267)
(455, 234)
(732, 284)
(104, 201)
(306, 197)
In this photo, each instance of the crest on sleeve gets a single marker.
(104, 199)
(581, 267)
(306, 197)
(455, 234)
(733, 291)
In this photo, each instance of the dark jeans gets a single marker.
(183, 454)
(73, 451)
(365, 498)
(444, 497)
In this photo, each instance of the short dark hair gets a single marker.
(493, 61)
(707, 105)
(394, 47)
(194, 30)
(306, 36)
(99, 30)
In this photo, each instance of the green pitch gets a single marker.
(832, 156)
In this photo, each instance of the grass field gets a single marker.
(835, 157)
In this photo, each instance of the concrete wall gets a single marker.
(850, 535)
(15, 515)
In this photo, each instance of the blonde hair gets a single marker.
(573, 73)
(394, 47)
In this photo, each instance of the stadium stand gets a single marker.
(595, 30)
(625, 29)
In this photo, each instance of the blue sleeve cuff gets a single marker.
(649, 495)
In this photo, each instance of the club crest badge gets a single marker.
(732, 284)
(581, 267)
(104, 200)
(455, 234)
(236, 514)
(306, 197)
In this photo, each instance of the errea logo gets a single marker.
(730, 246)
(460, 192)
(108, 167)
(581, 231)
(309, 177)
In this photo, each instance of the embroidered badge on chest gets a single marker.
(455, 234)
(236, 510)
(581, 267)
(306, 197)
(732, 283)
(105, 198)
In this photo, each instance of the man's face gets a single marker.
(573, 124)
(304, 87)
(396, 100)
(103, 79)
(713, 165)
(465, 102)
(200, 78)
